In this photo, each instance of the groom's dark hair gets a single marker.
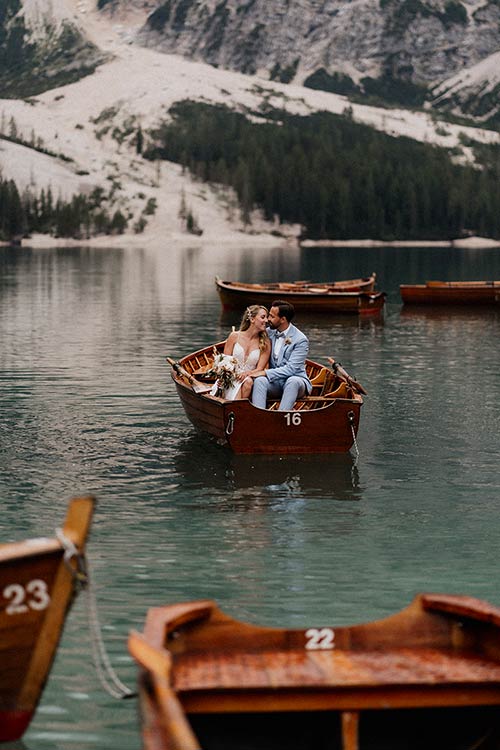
(286, 309)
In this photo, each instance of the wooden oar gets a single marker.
(339, 370)
(196, 385)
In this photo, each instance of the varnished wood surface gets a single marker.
(366, 284)
(363, 669)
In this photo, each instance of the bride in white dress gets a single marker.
(251, 348)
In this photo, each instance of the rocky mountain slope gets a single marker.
(396, 50)
(41, 50)
(83, 134)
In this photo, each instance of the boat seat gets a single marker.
(343, 391)
(323, 382)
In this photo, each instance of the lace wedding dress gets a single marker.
(245, 365)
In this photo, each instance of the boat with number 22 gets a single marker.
(38, 581)
(327, 421)
(426, 678)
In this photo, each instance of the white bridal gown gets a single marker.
(245, 365)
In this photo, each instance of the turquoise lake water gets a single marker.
(87, 405)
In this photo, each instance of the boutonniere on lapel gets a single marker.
(288, 341)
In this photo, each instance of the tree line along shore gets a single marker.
(339, 180)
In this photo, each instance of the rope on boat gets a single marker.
(230, 424)
(71, 551)
(105, 672)
(350, 417)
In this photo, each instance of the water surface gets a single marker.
(87, 405)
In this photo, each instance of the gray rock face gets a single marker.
(423, 41)
(416, 42)
(39, 52)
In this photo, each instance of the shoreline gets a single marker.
(43, 241)
(472, 243)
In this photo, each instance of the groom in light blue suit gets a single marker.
(286, 376)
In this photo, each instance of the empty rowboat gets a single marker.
(451, 293)
(355, 296)
(426, 677)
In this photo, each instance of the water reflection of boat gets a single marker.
(311, 322)
(38, 580)
(426, 677)
(327, 421)
(356, 296)
(335, 476)
(468, 293)
(455, 313)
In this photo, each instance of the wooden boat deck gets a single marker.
(366, 283)
(281, 670)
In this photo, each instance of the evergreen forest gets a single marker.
(337, 178)
(82, 216)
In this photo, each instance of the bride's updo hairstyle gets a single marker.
(249, 314)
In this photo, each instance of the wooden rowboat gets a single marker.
(325, 422)
(38, 581)
(354, 296)
(426, 677)
(451, 293)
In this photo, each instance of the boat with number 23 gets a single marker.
(38, 581)
(327, 421)
(426, 678)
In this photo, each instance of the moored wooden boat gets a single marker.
(426, 677)
(355, 296)
(451, 293)
(325, 422)
(38, 581)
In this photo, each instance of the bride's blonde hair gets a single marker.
(250, 313)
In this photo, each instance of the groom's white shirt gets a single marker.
(279, 342)
(290, 359)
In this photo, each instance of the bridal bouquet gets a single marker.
(225, 368)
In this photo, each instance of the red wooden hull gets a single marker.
(37, 588)
(353, 298)
(13, 724)
(244, 428)
(451, 293)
